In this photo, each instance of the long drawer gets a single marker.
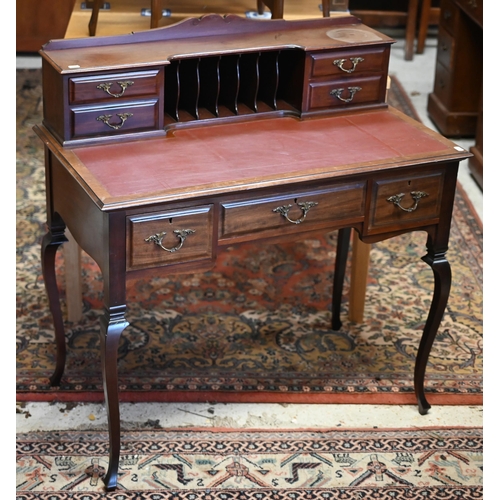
(282, 214)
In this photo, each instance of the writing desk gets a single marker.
(118, 200)
(150, 196)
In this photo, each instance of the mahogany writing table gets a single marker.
(172, 202)
(161, 180)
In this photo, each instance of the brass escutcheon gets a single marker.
(416, 195)
(182, 234)
(305, 207)
(106, 86)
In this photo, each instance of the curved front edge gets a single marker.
(442, 284)
(113, 323)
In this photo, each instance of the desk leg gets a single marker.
(50, 244)
(343, 238)
(112, 325)
(442, 284)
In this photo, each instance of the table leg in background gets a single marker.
(73, 277)
(359, 276)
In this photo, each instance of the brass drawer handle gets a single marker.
(123, 117)
(305, 206)
(106, 86)
(352, 90)
(416, 195)
(182, 234)
(354, 61)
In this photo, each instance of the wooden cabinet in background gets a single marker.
(455, 105)
(38, 21)
(454, 102)
(476, 162)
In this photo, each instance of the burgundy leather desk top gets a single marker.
(281, 149)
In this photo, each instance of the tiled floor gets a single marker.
(417, 78)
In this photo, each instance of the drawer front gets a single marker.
(473, 8)
(114, 87)
(445, 49)
(186, 236)
(448, 17)
(442, 85)
(352, 62)
(110, 120)
(406, 202)
(292, 212)
(337, 93)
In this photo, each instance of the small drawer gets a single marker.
(115, 86)
(348, 62)
(405, 202)
(449, 15)
(110, 120)
(292, 212)
(163, 238)
(353, 91)
(445, 49)
(442, 84)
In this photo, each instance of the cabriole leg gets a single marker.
(50, 244)
(442, 284)
(112, 325)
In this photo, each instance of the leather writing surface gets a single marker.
(262, 149)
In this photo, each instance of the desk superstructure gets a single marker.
(213, 68)
(162, 147)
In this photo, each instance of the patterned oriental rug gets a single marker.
(255, 465)
(256, 327)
